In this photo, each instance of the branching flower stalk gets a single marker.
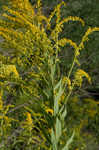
(77, 53)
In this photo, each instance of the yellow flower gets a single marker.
(49, 130)
(5, 36)
(62, 97)
(64, 41)
(72, 18)
(14, 19)
(1, 102)
(6, 70)
(67, 81)
(21, 17)
(49, 111)
(57, 9)
(29, 118)
(79, 77)
(85, 37)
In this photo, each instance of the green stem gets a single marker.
(64, 105)
(73, 63)
(69, 74)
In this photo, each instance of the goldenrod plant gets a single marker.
(30, 72)
(5, 122)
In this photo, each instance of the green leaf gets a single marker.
(56, 100)
(53, 67)
(53, 140)
(58, 129)
(63, 115)
(45, 134)
(46, 92)
(56, 107)
(66, 147)
(58, 85)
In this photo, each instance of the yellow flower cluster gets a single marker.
(39, 7)
(22, 5)
(7, 31)
(28, 123)
(13, 19)
(48, 110)
(67, 81)
(1, 102)
(85, 37)
(5, 36)
(71, 18)
(29, 118)
(6, 70)
(57, 9)
(65, 41)
(19, 15)
(59, 24)
(79, 74)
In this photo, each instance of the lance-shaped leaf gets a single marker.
(58, 129)
(63, 115)
(66, 147)
(53, 140)
(58, 85)
(56, 100)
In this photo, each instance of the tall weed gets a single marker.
(30, 72)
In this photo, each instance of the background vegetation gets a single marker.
(89, 11)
